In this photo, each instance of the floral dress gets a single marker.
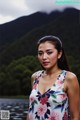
(51, 105)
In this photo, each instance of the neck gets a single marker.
(53, 71)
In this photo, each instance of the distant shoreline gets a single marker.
(17, 97)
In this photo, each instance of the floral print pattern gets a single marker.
(51, 105)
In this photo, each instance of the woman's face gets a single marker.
(48, 55)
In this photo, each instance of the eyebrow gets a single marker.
(46, 50)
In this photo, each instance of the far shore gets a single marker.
(16, 97)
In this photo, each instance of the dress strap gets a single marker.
(38, 74)
(62, 75)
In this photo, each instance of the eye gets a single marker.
(49, 52)
(40, 53)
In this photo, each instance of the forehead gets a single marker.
(46, 45)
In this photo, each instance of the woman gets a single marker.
(55, 91)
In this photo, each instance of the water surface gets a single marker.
(18, 107)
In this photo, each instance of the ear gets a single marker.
(59, 54)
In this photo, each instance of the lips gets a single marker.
(45, 63)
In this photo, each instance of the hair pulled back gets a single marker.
(62, 62)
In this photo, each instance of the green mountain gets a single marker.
(18, 54)
(66, 26)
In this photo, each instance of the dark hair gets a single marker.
(62, 62)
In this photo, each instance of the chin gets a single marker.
(47, 67)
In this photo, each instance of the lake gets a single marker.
(18, 108)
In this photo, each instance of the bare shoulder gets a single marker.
(33, 76)
(70, 76)
(71, 79)
(73, 92)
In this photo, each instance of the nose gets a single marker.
(44, 56)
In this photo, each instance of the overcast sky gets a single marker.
(12, 9)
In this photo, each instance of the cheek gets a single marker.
(54, 57)
(39, 58)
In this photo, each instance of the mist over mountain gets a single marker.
(17, 36)
(15, 29)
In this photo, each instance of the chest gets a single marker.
(53, 92)
(45, 84)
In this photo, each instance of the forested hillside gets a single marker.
(18, 56)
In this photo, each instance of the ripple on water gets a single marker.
(18, 108)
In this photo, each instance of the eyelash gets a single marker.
(39, 53)
(47, 53)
